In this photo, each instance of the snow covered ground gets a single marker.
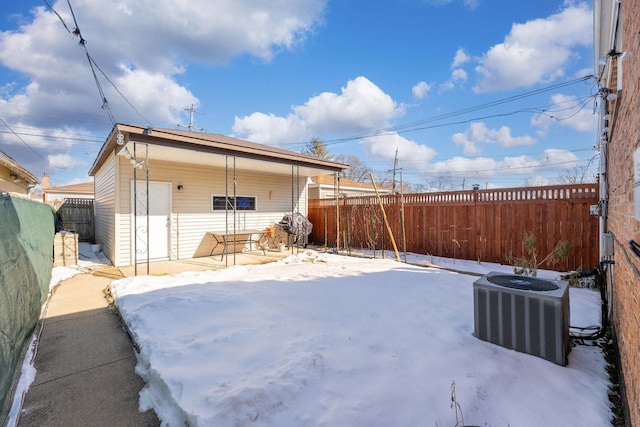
(328, 340)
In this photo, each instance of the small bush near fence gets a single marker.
(481, 225)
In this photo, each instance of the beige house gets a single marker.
(186, 185)
(325, 187)
(14, 178)
(72, 191)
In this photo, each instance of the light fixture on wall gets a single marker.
(120, 139)
(136, 164)
(180, 187)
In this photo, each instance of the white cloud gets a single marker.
(460, 58)
(361, 106)
(479, 133)
(459, 75)
(139, 43)
(566, 111)
(583, 72)
(149, 92)
(65, 161)
(270, 129)
(536, 51)
(559, 159)
(477, 167)
(470, 4)
(421, 89)
(537, 181)
(143, 48)
(551, 161)
(448, 85)
(410, 154)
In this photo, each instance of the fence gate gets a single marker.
(77, 215)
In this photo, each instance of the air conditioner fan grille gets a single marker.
(524, 283)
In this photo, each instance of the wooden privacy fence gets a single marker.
(483, 225)
(77, 215)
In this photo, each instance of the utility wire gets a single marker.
(512, 113)
(63, 138)
(412, 126)
(76, 32)
(416, 125)
(58, 15)
(118, 90)
(94, 65)
(25, 144)
(495, 103)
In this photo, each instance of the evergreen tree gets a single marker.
(317, 148)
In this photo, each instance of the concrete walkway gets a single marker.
(85, 363)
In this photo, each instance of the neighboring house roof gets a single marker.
(210, 149)
(84, 188)
(328, 180)
(17, 170)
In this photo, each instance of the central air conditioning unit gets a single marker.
(525, 314)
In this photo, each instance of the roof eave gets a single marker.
(169, 139)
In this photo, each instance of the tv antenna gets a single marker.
(191, 111)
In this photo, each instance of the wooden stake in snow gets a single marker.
(384, 215)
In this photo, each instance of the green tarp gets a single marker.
(26, 260)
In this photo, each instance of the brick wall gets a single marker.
(624, 140)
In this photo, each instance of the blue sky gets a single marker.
(467, 91)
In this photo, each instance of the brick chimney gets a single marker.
(45, 181)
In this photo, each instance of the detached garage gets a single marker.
(186, 184)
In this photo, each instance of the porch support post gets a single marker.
(336, 188)
(135, 215)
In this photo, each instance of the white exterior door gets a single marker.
(151, 223)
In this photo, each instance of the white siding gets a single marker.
(192, 216)
(123, 217)
(105, 208)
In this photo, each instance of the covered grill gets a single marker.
(296, 225)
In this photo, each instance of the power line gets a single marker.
(119, 92)
(416, 125)
(63, 138)
(495, 103)
(25, 144)
(94, 65)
